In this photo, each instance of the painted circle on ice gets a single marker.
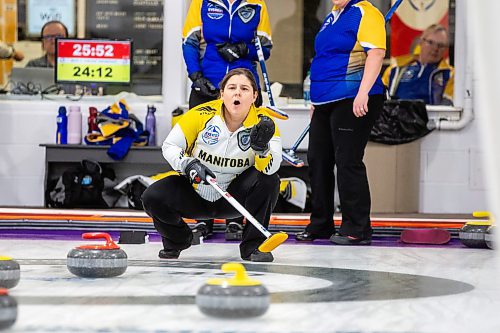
(176, 282)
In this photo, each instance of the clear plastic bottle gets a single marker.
(307, 89)
(75, 125)
(151, 125)
(62, 126)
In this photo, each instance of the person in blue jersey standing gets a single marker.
(218, 36)
(347, 95)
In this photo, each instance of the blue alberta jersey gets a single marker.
(211, 22)
(425, 82)
(415, 82)
(341, 46)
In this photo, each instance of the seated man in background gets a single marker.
(50, 31)
(9, 52)
(424, 75)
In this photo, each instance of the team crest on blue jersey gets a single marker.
(409, 74)
(244, 139)
(246, 14)
(211, 135)
(215, 12)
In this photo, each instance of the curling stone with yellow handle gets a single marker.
(10, 273)
(236, 297)
(473, 233)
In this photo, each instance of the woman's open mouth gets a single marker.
(237, 102)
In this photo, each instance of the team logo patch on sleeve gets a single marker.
(215, 12)
(246, 14)
(244, 139)
(211, 135)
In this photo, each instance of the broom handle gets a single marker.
(262, 62)
(238, 206)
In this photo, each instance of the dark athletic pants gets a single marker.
(338, 138)
(170, 199)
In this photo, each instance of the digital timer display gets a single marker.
(93, 60)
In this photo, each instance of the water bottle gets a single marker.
(151, 125)
(74, 125)
(92, 121)
(62, 126)
(307, 89)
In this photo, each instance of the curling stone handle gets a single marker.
(481, 214)
(101, 235)
(238, 269)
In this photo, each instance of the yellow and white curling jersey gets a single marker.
(201, 133)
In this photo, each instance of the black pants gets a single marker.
(170, 199)
(338, 138)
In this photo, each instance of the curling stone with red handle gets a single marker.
(8, 309)
(97, 261)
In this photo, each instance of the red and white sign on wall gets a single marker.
(412, 18)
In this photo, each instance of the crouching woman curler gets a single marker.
(232, 141)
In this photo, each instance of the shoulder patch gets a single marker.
(244, 139)
(246, 13)
(215, 12)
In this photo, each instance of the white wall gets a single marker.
(26, 124)
(483, 22)
(451, 174)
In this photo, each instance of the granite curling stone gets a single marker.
(489, 237)
(237, 297)
(472, 234)
(9, 272)
(97, 261)
(8, 309)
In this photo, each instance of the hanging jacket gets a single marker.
(119, 128)
(202, 133)
(211, 22)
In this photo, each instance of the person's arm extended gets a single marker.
(5, 51)
(373, 65)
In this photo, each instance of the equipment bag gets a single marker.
(401, 121)
(79, 187)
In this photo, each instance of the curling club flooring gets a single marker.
(318, 287)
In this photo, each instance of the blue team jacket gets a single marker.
(210, 22)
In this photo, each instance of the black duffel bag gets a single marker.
(401, 121)
(80, 186)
